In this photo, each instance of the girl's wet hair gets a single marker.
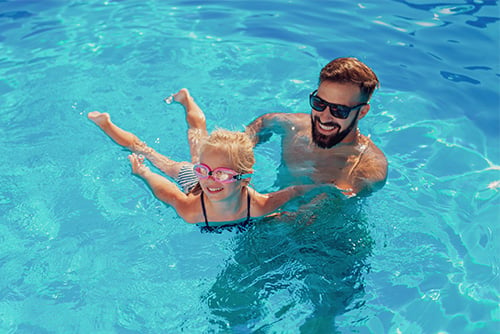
(238, 146)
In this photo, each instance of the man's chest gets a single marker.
(303, 158)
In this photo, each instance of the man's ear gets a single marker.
(363, 111)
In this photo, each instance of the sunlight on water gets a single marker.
(84, 240)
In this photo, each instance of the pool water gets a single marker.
(86, 248)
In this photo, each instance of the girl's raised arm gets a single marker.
(165, 190)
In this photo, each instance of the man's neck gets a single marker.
(352, 138)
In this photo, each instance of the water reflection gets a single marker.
(300, 274)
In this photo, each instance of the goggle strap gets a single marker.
(243, 176)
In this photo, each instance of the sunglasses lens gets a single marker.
(317, 104)
(339, 111)
(336, 110)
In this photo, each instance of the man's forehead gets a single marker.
(340, 93)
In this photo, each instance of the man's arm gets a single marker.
(263, 127)
(370, 174)
(268, 203)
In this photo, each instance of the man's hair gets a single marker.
(351, 70)
(237, 146)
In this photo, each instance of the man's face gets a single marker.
(328, 130)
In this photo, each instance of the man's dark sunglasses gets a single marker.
(337, 110)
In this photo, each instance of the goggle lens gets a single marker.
(220, 174)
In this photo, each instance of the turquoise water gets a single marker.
(85, 248)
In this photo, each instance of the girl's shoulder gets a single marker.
(190, 209)
(260, 203)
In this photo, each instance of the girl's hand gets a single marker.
(138, 166)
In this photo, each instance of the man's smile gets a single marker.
(326, 128)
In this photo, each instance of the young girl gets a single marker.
(216, 187)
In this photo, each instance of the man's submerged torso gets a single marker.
(305, 161)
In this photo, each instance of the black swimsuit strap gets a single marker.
(204, 210)
(248, 207)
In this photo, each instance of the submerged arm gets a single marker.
(364, 185)
(273, 201)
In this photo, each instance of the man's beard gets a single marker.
(325, 141)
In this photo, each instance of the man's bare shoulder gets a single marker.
(295, 117)
(290, 119)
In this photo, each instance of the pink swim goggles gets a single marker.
(219, 174)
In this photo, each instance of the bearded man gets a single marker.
(326, 146)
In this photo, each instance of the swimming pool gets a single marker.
(85, 248)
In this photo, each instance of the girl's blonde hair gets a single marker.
(238, 146)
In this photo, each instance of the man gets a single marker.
(326, 145)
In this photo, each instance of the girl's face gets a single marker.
(214, 158)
